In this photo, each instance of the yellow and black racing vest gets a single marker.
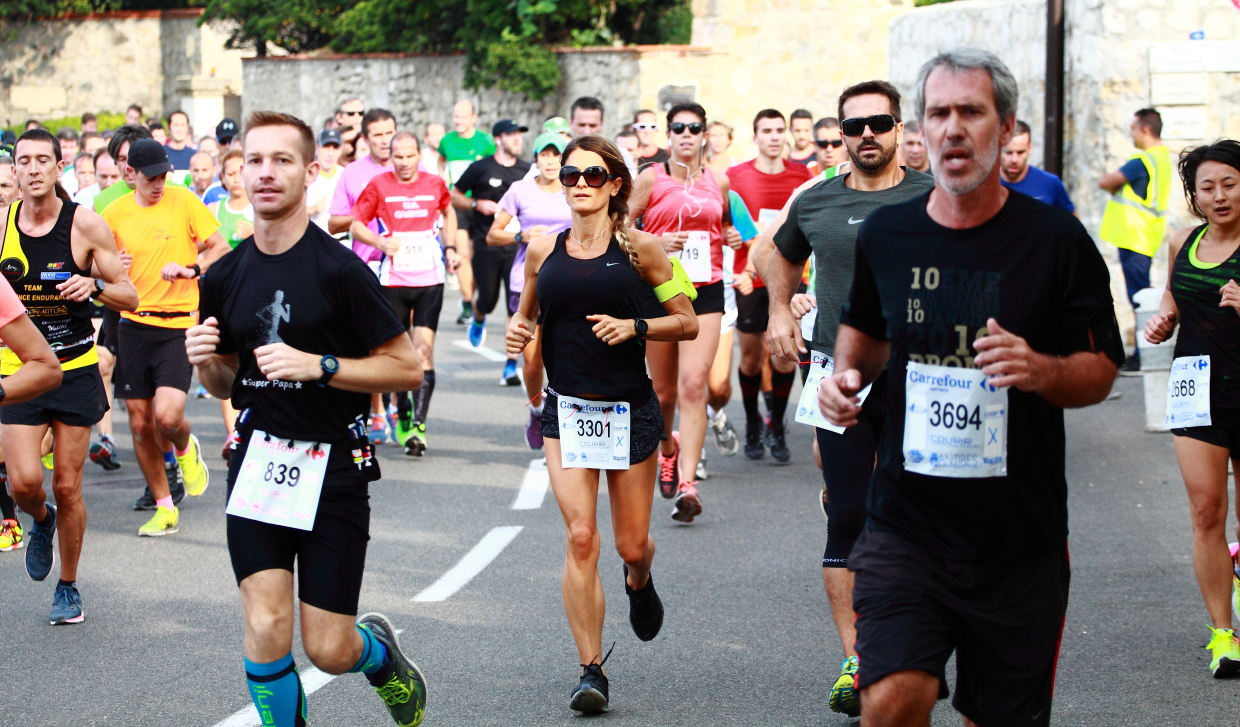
(34, 266)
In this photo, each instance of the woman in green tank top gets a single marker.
(234, 213)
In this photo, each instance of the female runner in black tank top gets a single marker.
(591, 287)
(1203, 298)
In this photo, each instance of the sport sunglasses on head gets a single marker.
(879, 124)
(595, 176)
(678, 127)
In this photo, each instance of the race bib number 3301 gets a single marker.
(593, 434)
(955, 422)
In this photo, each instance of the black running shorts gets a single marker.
(79, 401)
(492, 268)
(1002, 617)
(148, 357)
(709, 299)
(1224, 431)
(646, 425)
(752, 311)
(421, 305)
(108, 336)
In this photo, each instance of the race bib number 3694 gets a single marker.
(955, 422)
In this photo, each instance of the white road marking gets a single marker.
(489, 354)
(534, 488)
(312, 680)
(471, 565)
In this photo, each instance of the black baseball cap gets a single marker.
(330, 136)
(149, 158)
(507, 126)
(225, 130)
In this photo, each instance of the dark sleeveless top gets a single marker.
(1205, 328)
(34, 266)
(578, 363)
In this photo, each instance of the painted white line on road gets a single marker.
(534, 488)
(312, 680)
(489, 354)
(471, 565)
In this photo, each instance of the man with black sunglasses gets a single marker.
(824, 220)
(828, 145)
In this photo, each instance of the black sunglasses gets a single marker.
(879, 124)
(678, 127)
(353, 113)
(595, 176)
(824, 143)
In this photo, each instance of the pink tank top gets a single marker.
(677, 206)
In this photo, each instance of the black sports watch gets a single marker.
(197, 270)
(518, 238)
(330, 366)
(642, 327)
(98, 291)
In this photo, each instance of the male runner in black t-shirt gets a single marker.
(965, 546)
(486, 181)
(297, 331)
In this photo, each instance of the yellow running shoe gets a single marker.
(47, 461)
(1235, 578)
(1225, 654)
(195, 471)
(164, 523)
(844, 695)
(11, 536)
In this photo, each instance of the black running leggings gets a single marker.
(847, 466)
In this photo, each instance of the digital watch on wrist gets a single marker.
(330, 365)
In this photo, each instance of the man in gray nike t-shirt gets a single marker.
(823, 219)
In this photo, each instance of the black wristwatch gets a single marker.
(330, 366)
(98, 291)
(642, 327)
(197, 270)
(518, 238)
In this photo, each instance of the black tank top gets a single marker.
(1205, 328)
(34, 266)
(578, 363)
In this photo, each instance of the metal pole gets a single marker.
(1053, 156)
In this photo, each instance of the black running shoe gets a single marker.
(754, 449)
(645, 608)
(39, 554)
(590, 696)
(779, 447)
(467, 312)
(400, 683)
(1132, 365)
(176, 482)
(146, 501)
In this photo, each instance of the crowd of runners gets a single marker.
(933, 291)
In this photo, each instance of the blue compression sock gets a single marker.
(277, 693)
(169, 458)
(374, 654)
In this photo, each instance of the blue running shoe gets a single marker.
(477, 332)
(39, 555)
(67, 606)
(510, 378)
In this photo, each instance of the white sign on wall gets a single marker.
(1178, 89)
(1184, 122)
(1195, 56)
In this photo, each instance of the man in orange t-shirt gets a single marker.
(160, 230)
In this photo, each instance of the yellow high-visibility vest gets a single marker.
(1139, 223)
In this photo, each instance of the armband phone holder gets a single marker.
(679, 283)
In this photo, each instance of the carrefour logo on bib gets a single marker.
(621, 409)
(946, 380)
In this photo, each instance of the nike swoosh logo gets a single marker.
(610, 264)
(851, 221)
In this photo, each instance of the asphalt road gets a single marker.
(747, 640)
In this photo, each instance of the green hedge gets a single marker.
(107, 120)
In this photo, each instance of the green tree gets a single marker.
(297, 26)
(32, 9)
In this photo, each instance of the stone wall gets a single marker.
(785, 54)
(420, 89)
(106, 61)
